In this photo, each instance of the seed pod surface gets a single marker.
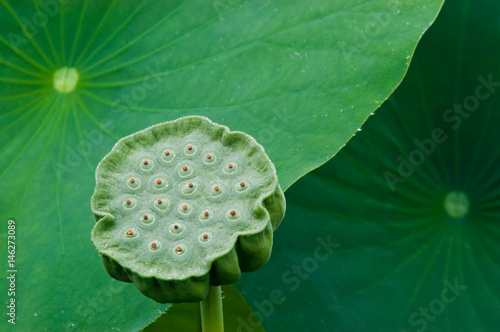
(184, 204)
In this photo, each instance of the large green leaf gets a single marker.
(299, 76)
(408, 254)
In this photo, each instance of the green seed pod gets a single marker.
(183, 205)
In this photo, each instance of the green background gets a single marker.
(301, 77)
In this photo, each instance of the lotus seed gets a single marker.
(160, 183)
(205, 215)
(133, 183)
(147, 219)
(189, 188)
(146, 164)
(155, 245)
(131, 233)
(230, 168)
(190, 149)
(167, 155)
(204, 237)
(216, 190)
(209, 158)
(185, 170)
(242, 186)
(162, 204)
(176, 228)
(232, 215)
(129, 203)
(185, 208)
(180, 250)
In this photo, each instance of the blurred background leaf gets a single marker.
(411, 205)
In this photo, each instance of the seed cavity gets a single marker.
(233, 214)
(168, 155)
(189, 188)
(180, 249)
(176, 228)
(241, 186)
(209, 158)
(230, 168)
(129, 203)
(185, 170)
(133, 183)
(205, 237)
(146, 164)
(190, 149)
(185, 208)
(216, 190)
(154, 245)
(131, 233)
(147, 219)
(162, 204)
(160, 183)
(205, 215)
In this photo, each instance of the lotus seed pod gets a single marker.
(183, 205)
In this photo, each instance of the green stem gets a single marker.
(211, 311)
